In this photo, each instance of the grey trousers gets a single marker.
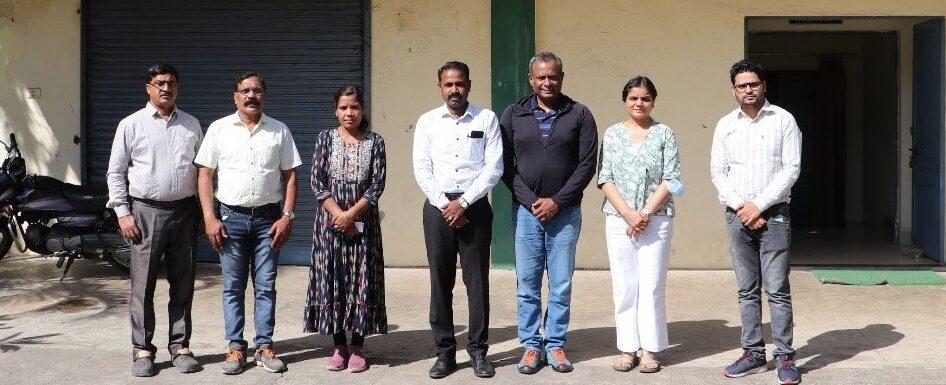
(168, 235)
(761, 261)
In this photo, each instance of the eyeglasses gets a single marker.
(161, 84)
(255, 90)
(748, 86)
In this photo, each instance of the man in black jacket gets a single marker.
(549, 143)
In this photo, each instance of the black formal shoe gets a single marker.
(446, 364)
(481, 366)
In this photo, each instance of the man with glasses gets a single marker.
(754, 162)
(152, 183)
(255, 159)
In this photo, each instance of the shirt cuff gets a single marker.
(675, 187)
(762, 204)
(122, 211)
(733, 203)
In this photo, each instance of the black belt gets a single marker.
(253, 211)
(166, 204)
(452, 196)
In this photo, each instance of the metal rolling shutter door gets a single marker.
(305, 50)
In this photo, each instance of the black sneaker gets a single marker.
(745, 365)
(446, 364)
(787, 372)
(481, 366)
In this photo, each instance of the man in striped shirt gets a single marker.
(152, 181)
(755, 161)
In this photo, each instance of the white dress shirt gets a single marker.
(450, 158)
(756, 160)
(152, 158)
(249, 164)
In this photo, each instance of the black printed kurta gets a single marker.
(346, 285)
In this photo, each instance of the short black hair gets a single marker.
(638, 81)
(160, 69)
(745, 65)
(247, 75)
(454, 65)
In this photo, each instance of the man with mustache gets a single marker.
(755, 160)
(255, 159)
(550, 146)
(152, 183)
(457, 160)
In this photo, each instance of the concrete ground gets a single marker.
(76, 332)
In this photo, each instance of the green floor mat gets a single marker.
(867, 277)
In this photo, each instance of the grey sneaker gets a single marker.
(236, 360)
(266, 357)
(143, 366)
(184, 361)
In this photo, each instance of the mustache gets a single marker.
(251, 102)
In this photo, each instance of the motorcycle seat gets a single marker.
(86, 198)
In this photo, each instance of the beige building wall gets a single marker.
(686, 48)
(39, 51)
(410, 40)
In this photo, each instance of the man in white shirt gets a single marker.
(755, 161)
(457, 160)
(255, 159)
(152, 182)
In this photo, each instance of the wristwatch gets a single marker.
(290, 214)
(646, 212)
(463, 203)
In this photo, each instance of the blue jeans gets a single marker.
(248, 247)
(540, 246)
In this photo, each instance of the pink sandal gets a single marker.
(339, 359)
(357, 362)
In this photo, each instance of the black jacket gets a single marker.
(559, 167)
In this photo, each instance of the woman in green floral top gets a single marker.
(639, 171)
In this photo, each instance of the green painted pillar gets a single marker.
(513, 44)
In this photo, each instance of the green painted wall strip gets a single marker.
(513, 44)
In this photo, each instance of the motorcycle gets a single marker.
(63, 220)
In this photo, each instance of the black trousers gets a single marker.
(168, 235)
(472, 243)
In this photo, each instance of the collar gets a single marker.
(766, 108)
(534, 105)
(444, 111)
(152, 110)
(237, 122)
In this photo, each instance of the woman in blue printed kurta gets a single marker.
(639, 170)
(346, 289)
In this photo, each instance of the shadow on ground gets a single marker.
(839, 345)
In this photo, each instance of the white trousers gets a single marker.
(638, 280)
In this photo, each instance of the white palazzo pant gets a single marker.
(638, 279)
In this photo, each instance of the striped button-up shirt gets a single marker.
(756, 160)
(152, 158)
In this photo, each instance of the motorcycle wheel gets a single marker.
(6, 239)
(120, 259)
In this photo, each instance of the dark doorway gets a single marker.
(843, 89)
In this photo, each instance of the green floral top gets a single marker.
(638, 168)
